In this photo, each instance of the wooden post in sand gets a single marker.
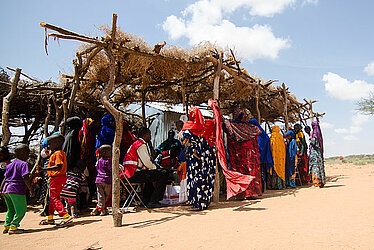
(257, 103)
(216, 97)
(6, 107)
(117, 215)
(143, 107)
(285, 107)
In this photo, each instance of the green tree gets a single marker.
(366, 105)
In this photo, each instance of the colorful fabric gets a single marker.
(55, 187)
(244, 158)
(86, 138)
(16, 206)
(302, 156)
(107, 133)
(58, 157)
(199, 126)
(71, 146)
(317, 182)
(168, 144)
(201, 162)
(264, 146)
(104, 171)
(235, 182)
(317, 133)
(71, 187)
(240, 131)
(291, 150)
(278, 150)
(316, 163)
(13, 178)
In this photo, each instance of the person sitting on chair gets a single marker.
(139, 168)
(169, 143)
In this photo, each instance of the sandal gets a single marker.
(66, 221)
(47, 222)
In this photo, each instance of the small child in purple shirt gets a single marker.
(14, 186)
(103, 179)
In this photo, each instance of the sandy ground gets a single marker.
(340, 216)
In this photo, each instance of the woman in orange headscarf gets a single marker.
(199, 137)
(278, 150)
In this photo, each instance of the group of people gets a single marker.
(77, 165)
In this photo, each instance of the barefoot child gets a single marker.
(70, 191)
(103, 179)
(56, 170)
(17, 178)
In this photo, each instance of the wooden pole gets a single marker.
(6, 107)
(143, 107)
(216, 97)
(58, 114)
(285, 106)
(46, 121)
(65, 110)
(117, 215)
(75, 87)
(257, 103)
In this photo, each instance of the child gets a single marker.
(56, 170)
(17, 178)
(103, 179)
(70, 191)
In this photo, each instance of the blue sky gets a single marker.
(319, 48)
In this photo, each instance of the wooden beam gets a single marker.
(117, 215)
(143, 107)
(82, 39)
(6, 107)
(285, 106)
(257, 103)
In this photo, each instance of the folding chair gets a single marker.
(297, 175)
(132, 190)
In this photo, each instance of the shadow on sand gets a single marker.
(56, 227)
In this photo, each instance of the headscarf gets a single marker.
(317, 134)
(86, 138)
(291, 154)
(71, 145)
(264, 146)
(199, 126)
(238, 129)
(278, 150)
(106, 135)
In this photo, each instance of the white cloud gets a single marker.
(340, 88)
(359, 119)
(325, 125)
(312, 2)
(208, 20)
(341, 131)
(369, 69)
(350, 138)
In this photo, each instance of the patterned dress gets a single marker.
(316, 164)
(201, 161)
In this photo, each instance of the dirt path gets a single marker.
(340, 216)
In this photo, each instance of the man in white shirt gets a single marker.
(139, 168)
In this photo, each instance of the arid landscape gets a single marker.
(339, 216)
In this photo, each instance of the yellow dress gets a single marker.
(278, 150)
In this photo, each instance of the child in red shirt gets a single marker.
(57, 172)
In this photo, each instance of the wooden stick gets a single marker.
(257, 103)
(117, 215)
(6, 107)
(46, 121)
(75, 87)
(143, 107)
(285, 106)
(82, 39)
(62, 30)
(29, 77)
(216, 97)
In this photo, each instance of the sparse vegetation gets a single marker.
(354, 159)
